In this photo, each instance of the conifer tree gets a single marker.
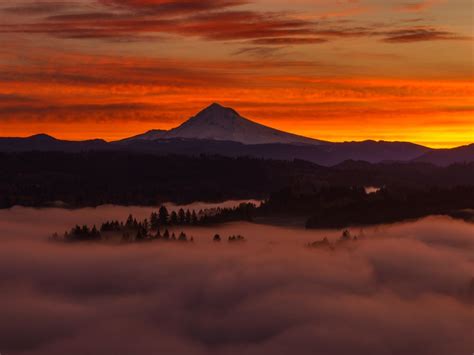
(194, 218)
(174, 218)
(188, 217)
(181, 216)
(163, 216)
(154, 221)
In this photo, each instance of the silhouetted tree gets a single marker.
(84, 233)
(174, 218)
(236, 238)
(129, 222)
(188, 219)
(145, 225)
(163, 215)
(194, 218)
(346, 235)
(94, 233)
(154, 221)
(181, 216)
(182, 237)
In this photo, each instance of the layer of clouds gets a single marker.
(420, 34)
(404, 289)
(214, 20)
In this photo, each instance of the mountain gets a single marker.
(218, 130)
(225, 124)
(328, 154)
(445, 157)
(324, 154)
(44, 142)
(150, 135)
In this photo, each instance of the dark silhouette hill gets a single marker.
(324, 154)
(445, 157)
(44, 142)
(126, 178)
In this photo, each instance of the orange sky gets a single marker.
(333, 70)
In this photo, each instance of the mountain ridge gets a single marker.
(217, 122)
(448, 156)
(219, 130)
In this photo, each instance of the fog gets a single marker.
(406, 288)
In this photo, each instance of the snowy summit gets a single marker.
(221, 123)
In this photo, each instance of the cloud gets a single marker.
(289, 40)
(12, 99)
(173, 7)
(259, 51)
(210, 20)
(418, 34)
(396, 292)
(109, 112)
(36, 8)
(417, 6)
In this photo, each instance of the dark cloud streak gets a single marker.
(214, 20)
(172, 7)
(421, 34)
(37, 8)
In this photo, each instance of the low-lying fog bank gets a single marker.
(404, 289)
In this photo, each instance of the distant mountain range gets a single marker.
(445, 157)
(222, 131)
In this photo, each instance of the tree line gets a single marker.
(341, 206)
(157, 226)
(95, 178)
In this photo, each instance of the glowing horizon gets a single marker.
(111, 69)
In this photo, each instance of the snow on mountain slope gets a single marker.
(225, 124)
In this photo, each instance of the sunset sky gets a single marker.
(330, 69)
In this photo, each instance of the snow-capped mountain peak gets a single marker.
(217, 122)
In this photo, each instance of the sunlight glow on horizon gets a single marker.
(319, 69)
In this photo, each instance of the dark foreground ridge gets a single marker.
(324, 207)
(73, 180)
(340, 207)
